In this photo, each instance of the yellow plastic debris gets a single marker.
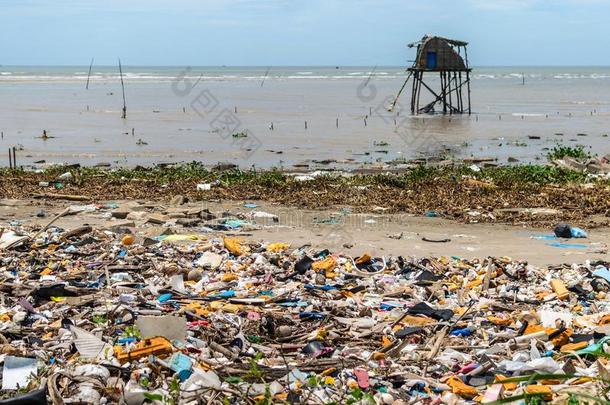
(328, 371)
(329, 380)
(232, 308)
(179, 238)
(327, 264)
(560, 289)
(229, 277)
(474, 283)
(234, 246)
(277, 247)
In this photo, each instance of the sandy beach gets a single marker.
(352, 233)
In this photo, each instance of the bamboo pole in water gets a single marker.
(124, 115)
(89, 74)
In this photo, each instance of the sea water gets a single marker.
(285, 116)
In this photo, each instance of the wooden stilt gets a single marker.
(418, 92)
(444, 91)
(449, 93)
(461, 102)
(468, 84)
(413, 88)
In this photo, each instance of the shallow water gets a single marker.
(560, 105)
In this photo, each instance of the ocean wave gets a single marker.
(165, 75)
(517, 114)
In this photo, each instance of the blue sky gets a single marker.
(305, 32)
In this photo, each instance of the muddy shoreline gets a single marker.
(533, 195)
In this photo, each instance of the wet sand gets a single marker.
(354, 235)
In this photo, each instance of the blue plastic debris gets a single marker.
(461, 332)
(295, 303)
(250, 205)
(164, 297)
(320, 287)
(567, 245)
(602, 272)
(544, 237)
(388, 306)
(182, 365)
(224, 294)
(235, 223)
(312, 315)
(578, 233)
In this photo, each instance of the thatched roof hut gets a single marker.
(438, 54)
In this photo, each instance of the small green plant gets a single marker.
(132, 331)
(266, 400)
(563, 151)
(99, 319)
(358, 395)
(255, 371)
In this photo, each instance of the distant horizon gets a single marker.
(298, 66)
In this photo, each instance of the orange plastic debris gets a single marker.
(417, 320)
(46, 271)
(365, 258)
(545, 390)
(559, 340)
(378, 356)
(571, 347)
(499, 321)
(157, 346)
(459, 388)
(509, 386)
(604, 320)
(128, 240)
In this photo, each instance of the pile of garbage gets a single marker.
(106, 316)
(595, 166)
